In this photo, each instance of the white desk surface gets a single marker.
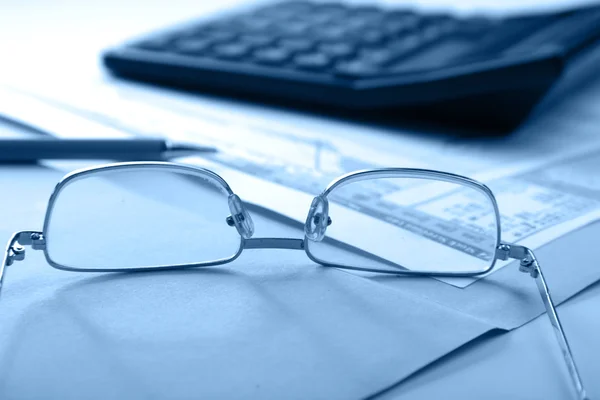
(525, 363)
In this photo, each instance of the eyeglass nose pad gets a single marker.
(241, 219)
(317, 219)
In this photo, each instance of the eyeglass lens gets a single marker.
(393, 224)
(140, 218)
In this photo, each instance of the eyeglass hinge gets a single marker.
(527, 264)
(505, 251)
(16, 251)
(36, 240)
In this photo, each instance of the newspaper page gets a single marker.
(546, 183)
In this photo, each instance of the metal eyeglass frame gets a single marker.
(315, 227)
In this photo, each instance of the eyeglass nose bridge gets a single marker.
(240, 218)
(318, 219)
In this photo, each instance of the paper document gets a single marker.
(545, 187)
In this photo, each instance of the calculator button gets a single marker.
(332, 11)
(368, 12)
(231, 51)
(405, 44)
(257, 40)
(297, 44)
(312, 61)
(372, 37)
(378, 57)
(322, 18)
(337, 50)
(357, 24)
(292, 28)
(272, 56)
(192, 46)
(329, 32)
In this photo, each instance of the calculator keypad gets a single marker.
(335, 39)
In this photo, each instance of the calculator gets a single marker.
(476, 71)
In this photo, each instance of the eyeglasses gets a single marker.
(156, 215)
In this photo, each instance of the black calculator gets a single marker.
(353, 59)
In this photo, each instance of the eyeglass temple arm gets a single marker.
(15, 250)
(530, 265)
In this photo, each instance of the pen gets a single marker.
(27, 150)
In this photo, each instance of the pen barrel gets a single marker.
(27, 150)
